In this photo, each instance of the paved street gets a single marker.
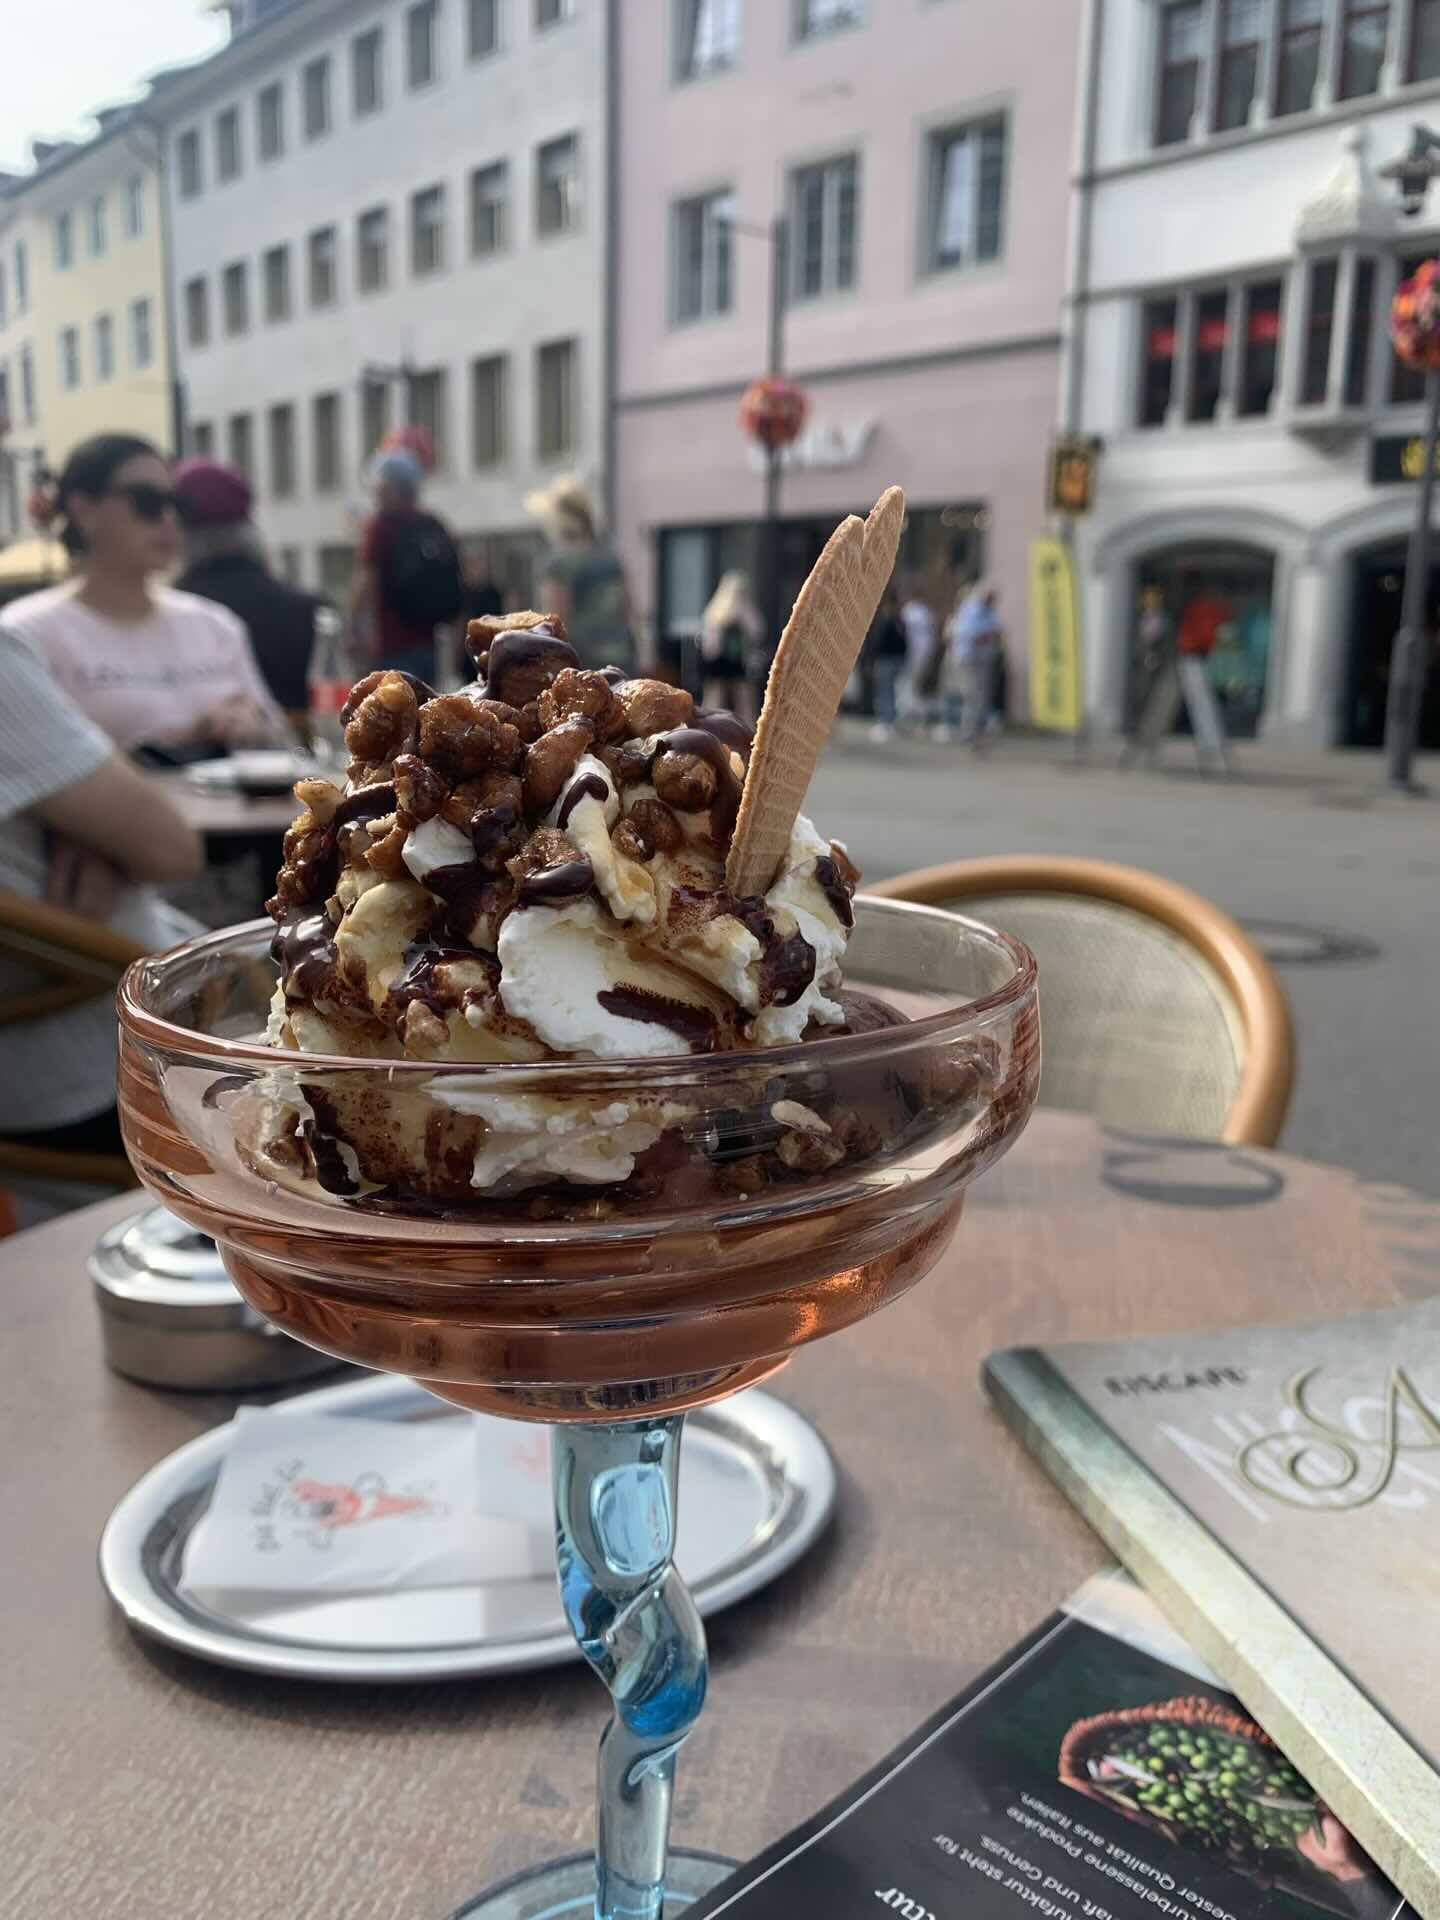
(1311, 840)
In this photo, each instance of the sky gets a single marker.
(75, 55)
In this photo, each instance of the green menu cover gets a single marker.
(1278, 1491)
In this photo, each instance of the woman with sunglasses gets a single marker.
(150, 666)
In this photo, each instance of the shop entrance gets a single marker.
(1242, 580)
(1374, 623)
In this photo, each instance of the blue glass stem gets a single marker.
(636, 1624)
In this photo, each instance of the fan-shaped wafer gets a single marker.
(814, 661)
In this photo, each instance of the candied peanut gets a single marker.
(462, 739)
(808, 1152)
(520, 662)
(418, 787)
(320, 799)
(423, 1031)
(628, 839)
(550, 761)
(627, 762)
(684, 781)
(578, 694)
(491, 790)
(531, 725)
(650, 706)
(656, 825)
(382, 722)
(546, 847)
(479, 633)
(386, 856)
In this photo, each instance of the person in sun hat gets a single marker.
(581, 580)
(225, 562)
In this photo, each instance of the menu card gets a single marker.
(1278, 1490)
(1099, 1772)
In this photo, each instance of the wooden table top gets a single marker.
(222, 816)
(138, 1780)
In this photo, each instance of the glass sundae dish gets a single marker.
(545, 1114)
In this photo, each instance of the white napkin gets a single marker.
(314, 1506)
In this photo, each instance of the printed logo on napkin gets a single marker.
(310, 1504)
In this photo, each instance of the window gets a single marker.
(365, 81)
(27, 384)
(489, 209)
(197, 312)
(822, 226)
(69, 357)
(703, 240)
(280, 432)
(289, 562)
(1210, 332)
(325, 438)
(427, 231)
(240, 443)
(1424, 63)
(815, 18)
(134, 206)
(553, 13)
(227, 144)
(104, 347)
(420, 67)
(1297, 58)
(1319, 330)
(1364, 28)
(270, 121)
(557, 185)
(1407, 384)
(483, 28)
(429, 412)
(22, 277)
(372, 250)
(202, 439)
(1357, 347)
(275, 267)
(1181, 34)
(96, 226)
(707, 37)
(489, 406)
(555, 399)
(142, 342)
(315, 94)
(64, 240)
(1261, 352)
(965, 195)
(374, 415)
(187, 163)
(4, 306)
(323, 269)
(1159, 326)
(235, 297)
(1241, 26)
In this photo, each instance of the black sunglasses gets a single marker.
(147, 502)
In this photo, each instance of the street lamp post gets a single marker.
(1413, 173)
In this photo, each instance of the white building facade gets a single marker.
(393, 212)
(1234, 260)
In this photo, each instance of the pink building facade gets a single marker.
(919, 151)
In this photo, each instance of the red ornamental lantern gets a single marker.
(411, 440)
(773, 412)
(1415, 317)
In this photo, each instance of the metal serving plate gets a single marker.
(757, 1487)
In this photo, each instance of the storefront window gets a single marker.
(1319, 330)
(1241, 24)
(1181, 36)
(1297, 65)
(1262, 347)
(1207, 363)
(1157, 328)
(1242, 580)
(1362, 52)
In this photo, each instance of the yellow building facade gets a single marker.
(83, 336)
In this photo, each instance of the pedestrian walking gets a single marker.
(408, 582)
(924, 659)
(581, 579)
(884, 657)
(973, 635)
(730, 647)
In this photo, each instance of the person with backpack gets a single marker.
(581, 578)
(408, 581)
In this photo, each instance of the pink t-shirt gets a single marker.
(142, 680)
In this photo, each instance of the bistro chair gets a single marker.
(73, 960)
(1157, 1010)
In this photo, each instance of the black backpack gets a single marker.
(421, 574)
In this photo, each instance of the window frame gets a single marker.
(281, 413)
(936, 142)
(371, 44)
(62, 240)
(276, 313)
(244, 462)
(189, 164)
(431, 196)
(499, 413)
(140, 326)
(198, 284)
(473, 51)
(103, 336)
(69, 359)
(235, 274)
(97, 226)
(268, 150)
(684, 22)
(565, 448)
(315, 241)
(228, 163)
(135, 207)
(544, 20)
(1224, 54)
(805, 31)
(1283, 34)
(501, 168)
(1411, 70)
(1184, 301)
(426, 10)
(327, 476)
(381, 214)
(571, 198)
(711, 251)
(437, 425)
(830, 287)
(312, 129)
(1343, 17)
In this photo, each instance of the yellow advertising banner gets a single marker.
(1054, 638)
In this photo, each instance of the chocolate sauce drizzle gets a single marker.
(303, 947)
(589, 786)
(786, 970)
(366, 804)
(418, 981)
(695, 1025)
(467, 892)
(728, 728)
(707, 746)
(514, 656)
(827, 878)
(556, 886)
